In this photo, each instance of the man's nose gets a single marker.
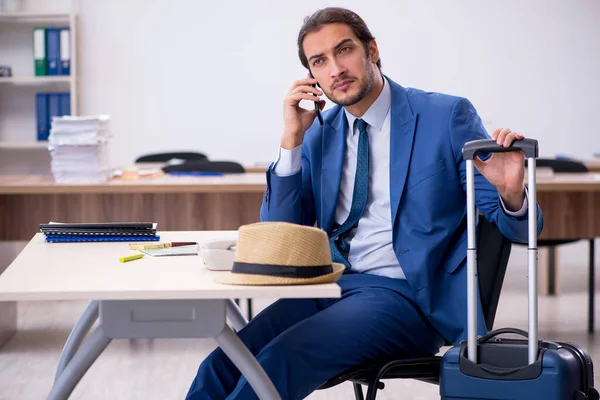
(337, 69)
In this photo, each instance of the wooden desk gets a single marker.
(154, 297)
(570, 203)
(256, 168)
(86, 271)
(593, 165)
(571, 207)
(228, 183)
(175, 203)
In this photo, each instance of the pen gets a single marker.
(131, 258)
(160, 245)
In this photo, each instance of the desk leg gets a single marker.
(8, 309)
(8, 321)
(547, 271)
(189, 319)
(81, 329)
(233, 347)
(121, 319)
(591, 288)
(234, 314)
(552, 275)
(78, 366)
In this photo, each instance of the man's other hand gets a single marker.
(506, 171)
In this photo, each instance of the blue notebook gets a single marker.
(53, 50)
(41, 116)
(104, 238)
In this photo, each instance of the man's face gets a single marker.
(338, 61)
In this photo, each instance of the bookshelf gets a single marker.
(34, 80)
(18, 130)
(34, 17)
(25, 145)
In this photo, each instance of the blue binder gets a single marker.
(64, 64)
(53, 107)
(64, 104)
(79, 239)
(41, 116)
(53, 50)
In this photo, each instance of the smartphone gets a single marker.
(317, 107)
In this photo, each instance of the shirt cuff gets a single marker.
(288, 162)
(523, 209)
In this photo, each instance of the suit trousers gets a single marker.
(301, 343)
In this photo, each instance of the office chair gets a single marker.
(493, 251)
(569, 166)
(226, 167)
(164, 157)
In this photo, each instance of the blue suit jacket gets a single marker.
(427, 196)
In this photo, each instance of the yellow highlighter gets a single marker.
(131, 258)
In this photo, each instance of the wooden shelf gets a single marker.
(19, 149)
(35, 80)
(34, 17)
(23, 145)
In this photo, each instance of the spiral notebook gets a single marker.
(103, 238)
(100, 232)
(101, 225)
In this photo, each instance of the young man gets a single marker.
(385, 178)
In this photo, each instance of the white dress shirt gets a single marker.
(371, 248)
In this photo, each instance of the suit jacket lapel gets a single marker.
(334, 148)
(402, 131)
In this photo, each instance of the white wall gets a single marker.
(211, 76)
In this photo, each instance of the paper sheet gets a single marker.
(173, 251)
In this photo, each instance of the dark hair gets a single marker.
(334, 15)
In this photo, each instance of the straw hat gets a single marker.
(280, 253)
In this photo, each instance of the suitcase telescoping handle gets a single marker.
(470, 150)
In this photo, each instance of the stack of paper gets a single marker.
(79, 149)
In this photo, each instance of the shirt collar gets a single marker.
(375, 115)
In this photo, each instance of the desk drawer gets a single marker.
(162, 318)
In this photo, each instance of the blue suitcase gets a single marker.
(494, 368)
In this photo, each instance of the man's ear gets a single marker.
(373, 51)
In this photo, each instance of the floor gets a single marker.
(163, 369)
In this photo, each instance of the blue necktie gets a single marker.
(359, 198)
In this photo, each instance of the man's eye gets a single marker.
(343, 49)
(317, 62)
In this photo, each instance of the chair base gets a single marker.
(424, 369)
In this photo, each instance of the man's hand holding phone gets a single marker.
(296, 119)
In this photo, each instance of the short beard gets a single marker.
(365, 88)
